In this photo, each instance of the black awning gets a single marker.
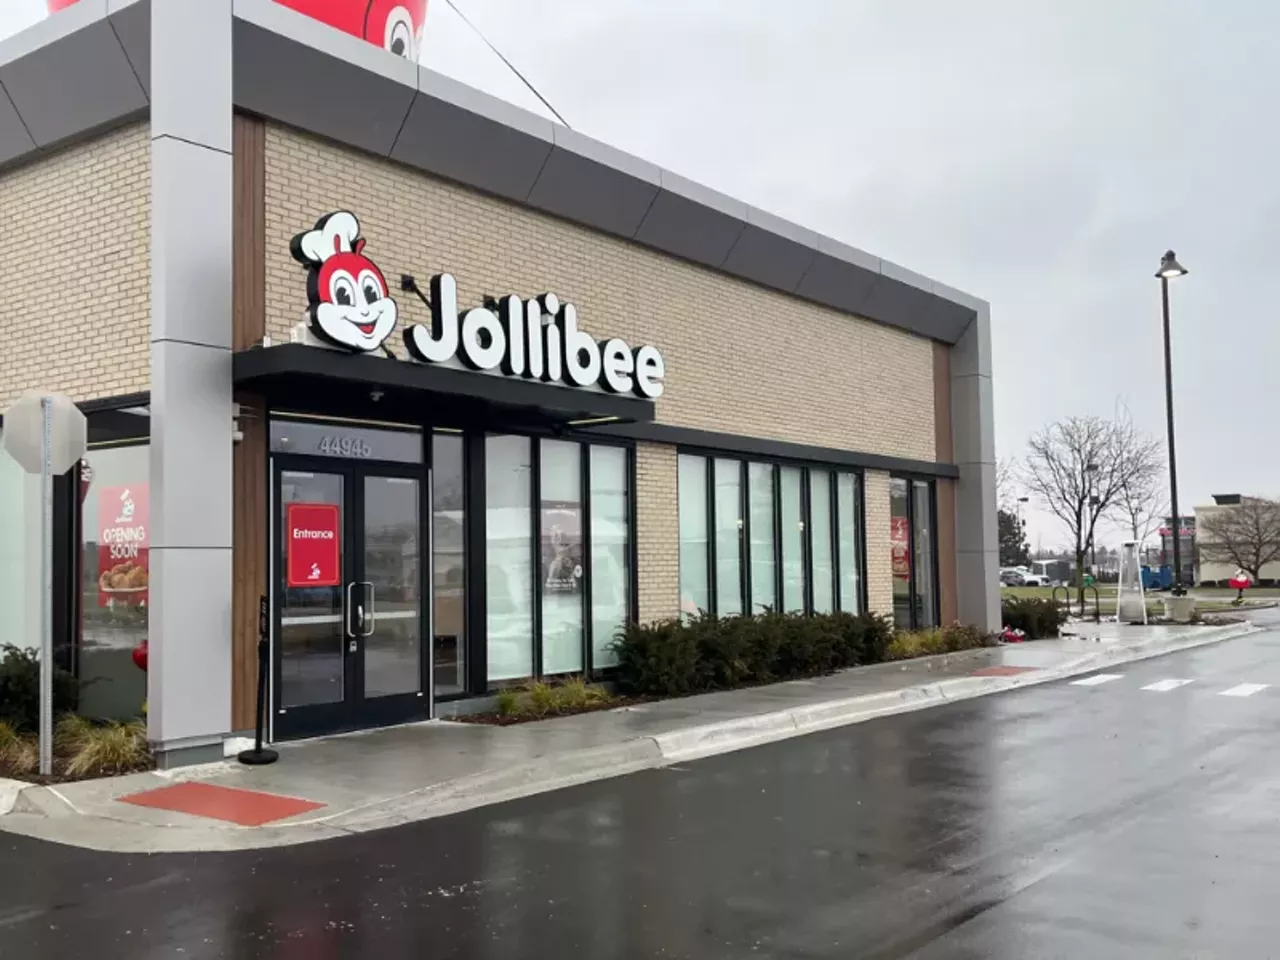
(306, 378)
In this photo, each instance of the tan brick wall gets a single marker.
(77, 315)
(879, 560)
(740, 359)
(658, 532)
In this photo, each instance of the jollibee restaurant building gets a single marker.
(459, 390)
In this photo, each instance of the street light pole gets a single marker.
(1169, 269)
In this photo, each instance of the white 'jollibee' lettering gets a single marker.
(538, 339)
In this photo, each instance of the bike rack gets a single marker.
(1097, 605)
(1066, 593)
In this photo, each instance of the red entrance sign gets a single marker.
(314, 549)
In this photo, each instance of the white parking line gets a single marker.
(1164, 686)
(1097, 679)
(1244, 690)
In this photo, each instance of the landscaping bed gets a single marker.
(82, 748)
(703, 654)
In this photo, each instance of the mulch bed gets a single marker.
(498, 720)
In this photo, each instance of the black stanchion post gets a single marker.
(259, 755)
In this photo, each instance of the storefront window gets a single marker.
(449, 562)
(114, 579)
(562, 556)
(824, 599)
(911, 541)
(728, 512)
(900, 550)
(849, 542)
(764, 547)
(792, 540)
(20, 512)
(695, 589)
(610, 551)
(923, 553)
(509, 556)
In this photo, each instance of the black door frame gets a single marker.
(354, 711)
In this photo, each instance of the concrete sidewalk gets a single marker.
(371, 780)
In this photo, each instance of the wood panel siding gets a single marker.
(249, 263)
(249, 555)
(249, 461)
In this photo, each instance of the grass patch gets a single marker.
(82, 749)
(541, 699)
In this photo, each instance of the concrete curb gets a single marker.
(43, 812)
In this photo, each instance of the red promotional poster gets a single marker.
(124, 542)
(315, 545)
(899, 540)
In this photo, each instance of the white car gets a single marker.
(1034, 580)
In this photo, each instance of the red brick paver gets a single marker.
(248, 808)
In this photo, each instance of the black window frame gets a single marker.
(833, 470)
(911, 479)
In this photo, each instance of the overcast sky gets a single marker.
(1040, 155)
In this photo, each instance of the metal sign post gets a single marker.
(46, 434)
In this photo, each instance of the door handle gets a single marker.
(373, 610)
(346, 614)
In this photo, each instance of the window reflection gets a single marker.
(728, 537)
(850, 543)
(115, 577)
(509, 556)
(900, 551)
(820, 541)
(562, 557)
(695, 589)
(448, 533)
(610, 551)
(764, 547)
(793, 573)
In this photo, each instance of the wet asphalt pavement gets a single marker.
(1057, 821)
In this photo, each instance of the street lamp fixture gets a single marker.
(1170, 269)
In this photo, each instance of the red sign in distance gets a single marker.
(314, 551)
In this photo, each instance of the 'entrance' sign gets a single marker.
(314, 550)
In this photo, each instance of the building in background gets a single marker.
(457, 390)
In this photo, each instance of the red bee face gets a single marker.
(394, 25)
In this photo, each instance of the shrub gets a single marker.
(673, 658)
(956, 636)
(658, 658)
(1037, 618)
(918, 643)
(508, 702)
(20, 689)
(541, 698)
(110, 749)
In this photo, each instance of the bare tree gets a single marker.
(1079, 466)
(1140, 507)
(1246, 535)
(1006, 483)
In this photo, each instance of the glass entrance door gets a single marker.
(351, 619)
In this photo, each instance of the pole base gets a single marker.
(258, 758)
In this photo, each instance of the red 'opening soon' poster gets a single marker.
(124, 545)
(314, 549)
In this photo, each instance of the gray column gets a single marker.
(973, 435)
(189, 680)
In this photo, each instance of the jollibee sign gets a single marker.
(124, 546)
(394, 25)
(349, 305)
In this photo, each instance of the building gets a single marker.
(457, 390)
(1217, 571)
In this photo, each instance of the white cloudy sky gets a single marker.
(1041, 155)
